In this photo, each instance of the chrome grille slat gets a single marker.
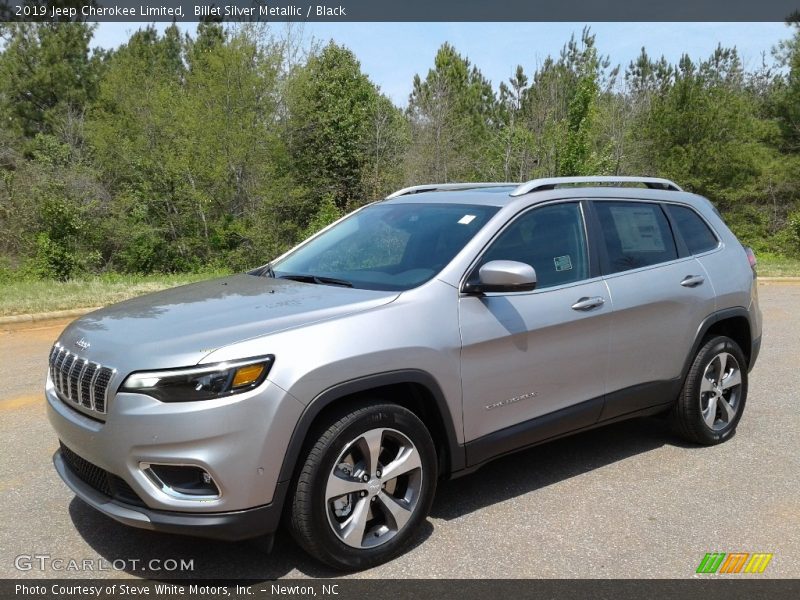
(92, 400)
(66, 369)
(101, 389)
(78, 381)
(87, 380)
(73, 378)
(79, 387)
(62, 354)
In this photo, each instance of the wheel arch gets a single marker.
(731, 322)
(413, 389)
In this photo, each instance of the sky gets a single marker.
(392, 53)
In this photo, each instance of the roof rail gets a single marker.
(550, 183)
(446, 187)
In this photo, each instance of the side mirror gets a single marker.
(503, 276)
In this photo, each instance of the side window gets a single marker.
(551, 239)
(636, 234)
(694, 231)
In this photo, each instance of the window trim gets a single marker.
(589, 238)
(679, 236)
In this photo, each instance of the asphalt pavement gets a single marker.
(630, 500)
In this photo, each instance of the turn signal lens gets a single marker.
(247, 375)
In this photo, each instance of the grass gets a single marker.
(36, 296)
(774, 265)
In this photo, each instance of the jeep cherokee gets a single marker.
(413, 340)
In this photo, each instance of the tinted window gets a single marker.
(389, 246)
(551, 239)
(693, 229)
(636, 235)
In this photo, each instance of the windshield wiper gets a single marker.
(314, 279)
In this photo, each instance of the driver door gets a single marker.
(534, 364)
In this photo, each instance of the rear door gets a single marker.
(660, 295)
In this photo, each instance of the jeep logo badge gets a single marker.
(82, 344)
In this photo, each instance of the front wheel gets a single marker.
(365, 488)
(714, 394)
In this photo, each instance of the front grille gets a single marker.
(79, 381)
(99, 479)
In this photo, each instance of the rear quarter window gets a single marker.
(691, 227)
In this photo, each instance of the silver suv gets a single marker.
(413, 340)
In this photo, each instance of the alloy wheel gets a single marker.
(373, 488)
(720, 391)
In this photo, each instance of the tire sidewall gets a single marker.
(379, 416)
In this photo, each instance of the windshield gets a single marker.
(386, 246)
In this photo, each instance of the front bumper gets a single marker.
(228, 526)
(240, 441)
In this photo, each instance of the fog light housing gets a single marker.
(183, 482)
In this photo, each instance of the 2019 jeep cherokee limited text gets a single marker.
(415, 339)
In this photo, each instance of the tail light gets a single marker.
(751, 257)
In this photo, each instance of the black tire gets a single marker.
(310, 519)
(688, 412)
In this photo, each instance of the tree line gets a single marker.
(221, 149)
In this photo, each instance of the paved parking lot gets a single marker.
(630, 500)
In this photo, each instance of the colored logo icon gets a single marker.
(734, 562)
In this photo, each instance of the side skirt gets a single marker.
(637, 401)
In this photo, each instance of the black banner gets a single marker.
(398, 10)
(711, 588)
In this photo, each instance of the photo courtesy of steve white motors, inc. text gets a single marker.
(147, 11)
(174, 589)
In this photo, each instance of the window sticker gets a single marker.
(638, 229)
(563, 263)
(466, 219)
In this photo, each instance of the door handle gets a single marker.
(692, 280)
(588, 303)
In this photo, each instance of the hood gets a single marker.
(180, 326)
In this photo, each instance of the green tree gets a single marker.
(337, 120)
(560, 110)
(46, 71)
(514, 146)
(703, 127)
(223, 148)
(134, 129)
(451, 113)
(787, 103)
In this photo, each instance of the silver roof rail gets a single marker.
(446, 187)
(550, 183)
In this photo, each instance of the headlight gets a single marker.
(204, 382)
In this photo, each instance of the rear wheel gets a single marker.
(365, 487)
(714, 393)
